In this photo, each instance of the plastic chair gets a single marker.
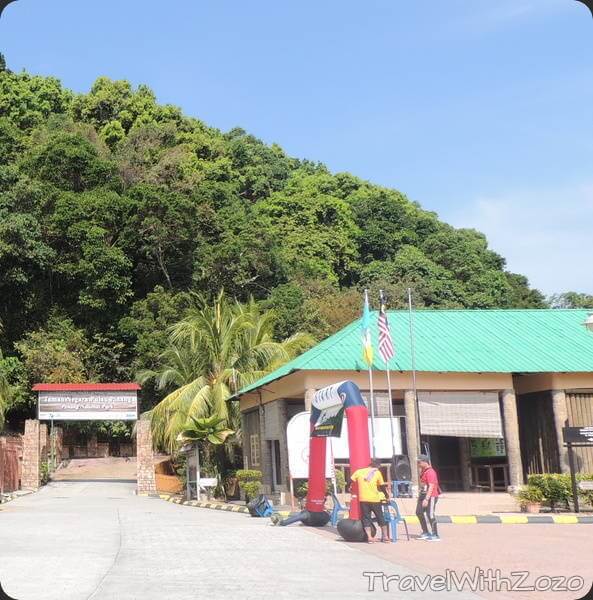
(336, 510)
(393, 517)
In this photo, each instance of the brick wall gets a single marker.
(31, 452)
(146, 476)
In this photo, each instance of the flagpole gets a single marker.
(374, 455)
(389, 390)
(413, 357)
(371, 387)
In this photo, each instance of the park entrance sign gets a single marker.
(87, 402)
(60, 402)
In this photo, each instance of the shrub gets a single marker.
(556, 488)
(250, 482)
(586, 495)
(340, 481)
(44, 472)
(301, 490)
(530, 494)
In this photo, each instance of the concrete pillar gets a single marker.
(466, 464)
(413, 443)
(309, 393)
(560, 418)
(511, 434)
(265, 456)
(30, 479)
(146, 483)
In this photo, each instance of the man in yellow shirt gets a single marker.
(370, 495)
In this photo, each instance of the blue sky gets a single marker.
(481, 110)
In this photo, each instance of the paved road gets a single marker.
(560, 551)
(98, 541)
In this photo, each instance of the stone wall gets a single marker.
(31, 479)
(145, 458)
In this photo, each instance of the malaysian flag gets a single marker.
(386, 349)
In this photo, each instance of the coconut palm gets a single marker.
(216, 350)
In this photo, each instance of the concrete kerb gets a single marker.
(8, 497)
(410, 519)
(200, 504)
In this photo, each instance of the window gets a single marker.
(254, 449)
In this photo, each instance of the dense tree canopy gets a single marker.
(114, 209)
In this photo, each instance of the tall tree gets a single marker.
(215, 351)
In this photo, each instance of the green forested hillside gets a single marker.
(113, 208)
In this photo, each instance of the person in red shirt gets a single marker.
(428, 497)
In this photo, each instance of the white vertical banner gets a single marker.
(298, 433)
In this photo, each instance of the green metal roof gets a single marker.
(460, 341)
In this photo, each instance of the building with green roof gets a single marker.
(494, 388)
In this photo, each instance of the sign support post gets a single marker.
(573, 478)
(581, 437)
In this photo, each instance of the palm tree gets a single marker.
(215, 351)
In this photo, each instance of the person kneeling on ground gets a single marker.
(427, 500)
(370, 480)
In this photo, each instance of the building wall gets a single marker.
(294, 385)
(542, 382)
(540, 404)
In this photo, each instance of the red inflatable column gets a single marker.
(359, 446)
(316, 492)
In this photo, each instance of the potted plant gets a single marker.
(530, 498)
(249, 482)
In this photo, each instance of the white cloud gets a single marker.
(546, 235)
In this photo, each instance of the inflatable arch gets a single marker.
(327, 411)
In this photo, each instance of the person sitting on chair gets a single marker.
(370, 481)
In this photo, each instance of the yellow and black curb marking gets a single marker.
(412, 519)
(213, 505)
(495, 519)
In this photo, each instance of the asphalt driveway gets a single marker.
(96, 540)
